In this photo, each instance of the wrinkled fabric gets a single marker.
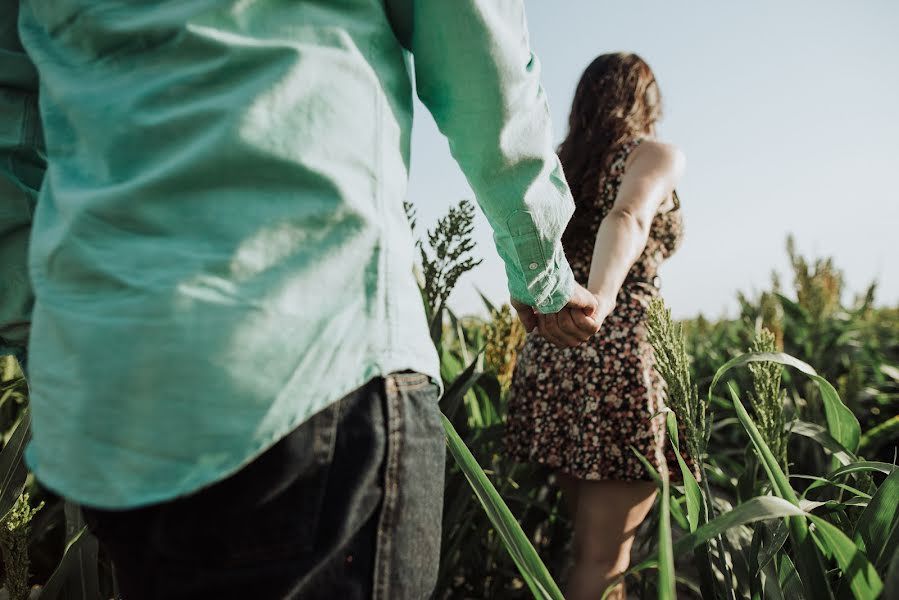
(218, 249)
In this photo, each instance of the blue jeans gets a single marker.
(346, 506)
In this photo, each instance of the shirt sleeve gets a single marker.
(476, 74)
(22, 166)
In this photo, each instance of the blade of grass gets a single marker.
(453, 396)
(533, 571)
(761, 508)
(691, 488)
(667, 575)
(789, 579)
(676, 512)
(891, 585)
(863, 579)
(12, 467)
(811, 568)
(877, 528)
(819, 434)
(841, 423)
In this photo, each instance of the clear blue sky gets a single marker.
(788, 113)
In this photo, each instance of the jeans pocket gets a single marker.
(267, 511)
(409, 381)
(409, 538)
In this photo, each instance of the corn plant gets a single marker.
(798, 546)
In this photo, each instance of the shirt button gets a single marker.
(533, 266)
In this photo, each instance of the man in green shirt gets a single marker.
(203, 244)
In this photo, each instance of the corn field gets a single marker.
(790, 411)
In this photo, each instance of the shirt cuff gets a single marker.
(545, 285)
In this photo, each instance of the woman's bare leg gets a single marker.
(606, 518)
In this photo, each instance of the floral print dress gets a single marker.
(578, 410)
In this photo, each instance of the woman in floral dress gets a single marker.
(579, 410)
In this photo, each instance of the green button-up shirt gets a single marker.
(213, 192)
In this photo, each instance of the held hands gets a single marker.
(571, 326)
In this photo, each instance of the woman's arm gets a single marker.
(650, 174)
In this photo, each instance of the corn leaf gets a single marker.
(777, 539)
(863, 579)
(891, 585)
(863, 466)
(453, 396)
(761, 508)
(75, 576)
(12, 468)
(789, 580)
(877, 529)
(667, 574)
(811, 568)
(691, 488)
(821, 435)
(533, 571)
(487, 303)
(676, 512)
(841, 423)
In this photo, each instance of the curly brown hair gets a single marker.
(617, 99)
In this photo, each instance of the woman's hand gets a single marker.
(571, 326)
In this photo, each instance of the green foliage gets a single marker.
(447, 256)
(795, 497)
(768, 399)
(673, 364)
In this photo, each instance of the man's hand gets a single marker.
(575, 323)
(571, 326)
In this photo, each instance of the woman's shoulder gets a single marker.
(655, 154)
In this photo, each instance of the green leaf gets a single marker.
(822, 436)
(811, 568)
(877, 529)
(452, 397)
(879, 435)
(863, 579)
(822, 482)
(676, 511)
(891, 585)
(890, 371)
(771, 583)
(841, 423)
(864, 466)
(436, 327)
(533, 571)
(789, 580)
(69, 581)
(12, 468)
(667, 574)
(691, 488)
(85, 582)
(490, 306)
(776, 475)
(757, 509)
(778, 537)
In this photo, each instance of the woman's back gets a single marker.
(579, 409)
(665, 235)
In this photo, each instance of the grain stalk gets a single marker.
(15, 529)
(767, 398)
(673, 364)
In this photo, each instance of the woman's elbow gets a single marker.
(633, 221)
